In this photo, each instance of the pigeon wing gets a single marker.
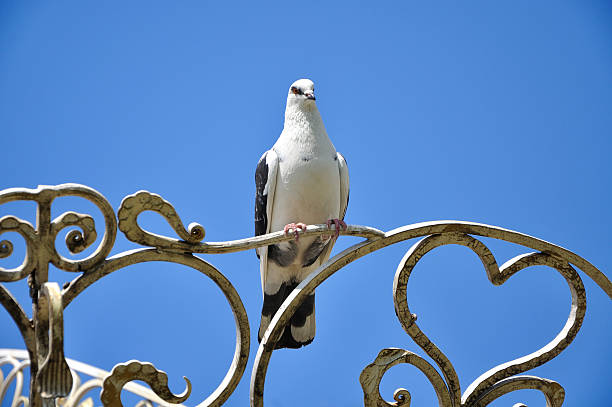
(265, 185)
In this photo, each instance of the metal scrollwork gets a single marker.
(387, 358)
(492, 384)
(40, 242)
(76, 241)
(85, 379)
(55, 379)
(50, 376)
(241, 352)
(25, 229)
(497, 276)
(135, 370)
(552, 391)
(134, 205)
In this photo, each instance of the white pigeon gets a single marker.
(301, 181)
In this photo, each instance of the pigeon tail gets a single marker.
(300, 330)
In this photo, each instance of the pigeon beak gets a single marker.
(310, 96)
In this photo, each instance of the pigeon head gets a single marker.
(301, 91)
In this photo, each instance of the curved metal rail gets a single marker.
(52, 377)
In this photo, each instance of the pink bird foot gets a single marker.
(294, 227)
(337, 223)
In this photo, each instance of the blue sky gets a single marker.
(493, 112)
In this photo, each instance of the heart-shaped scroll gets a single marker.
(488, 382)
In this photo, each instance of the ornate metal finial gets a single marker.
(53, 378)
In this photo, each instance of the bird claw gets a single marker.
(338, 223)
(295, 226)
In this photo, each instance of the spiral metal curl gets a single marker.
(6, 248)
(135, 370)
(76, 240)
(26, 230)
(372, 375)
(134, 205)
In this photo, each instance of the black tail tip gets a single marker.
(287, 341)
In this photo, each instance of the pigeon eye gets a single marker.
(295, 90)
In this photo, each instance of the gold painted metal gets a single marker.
(55, 380)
